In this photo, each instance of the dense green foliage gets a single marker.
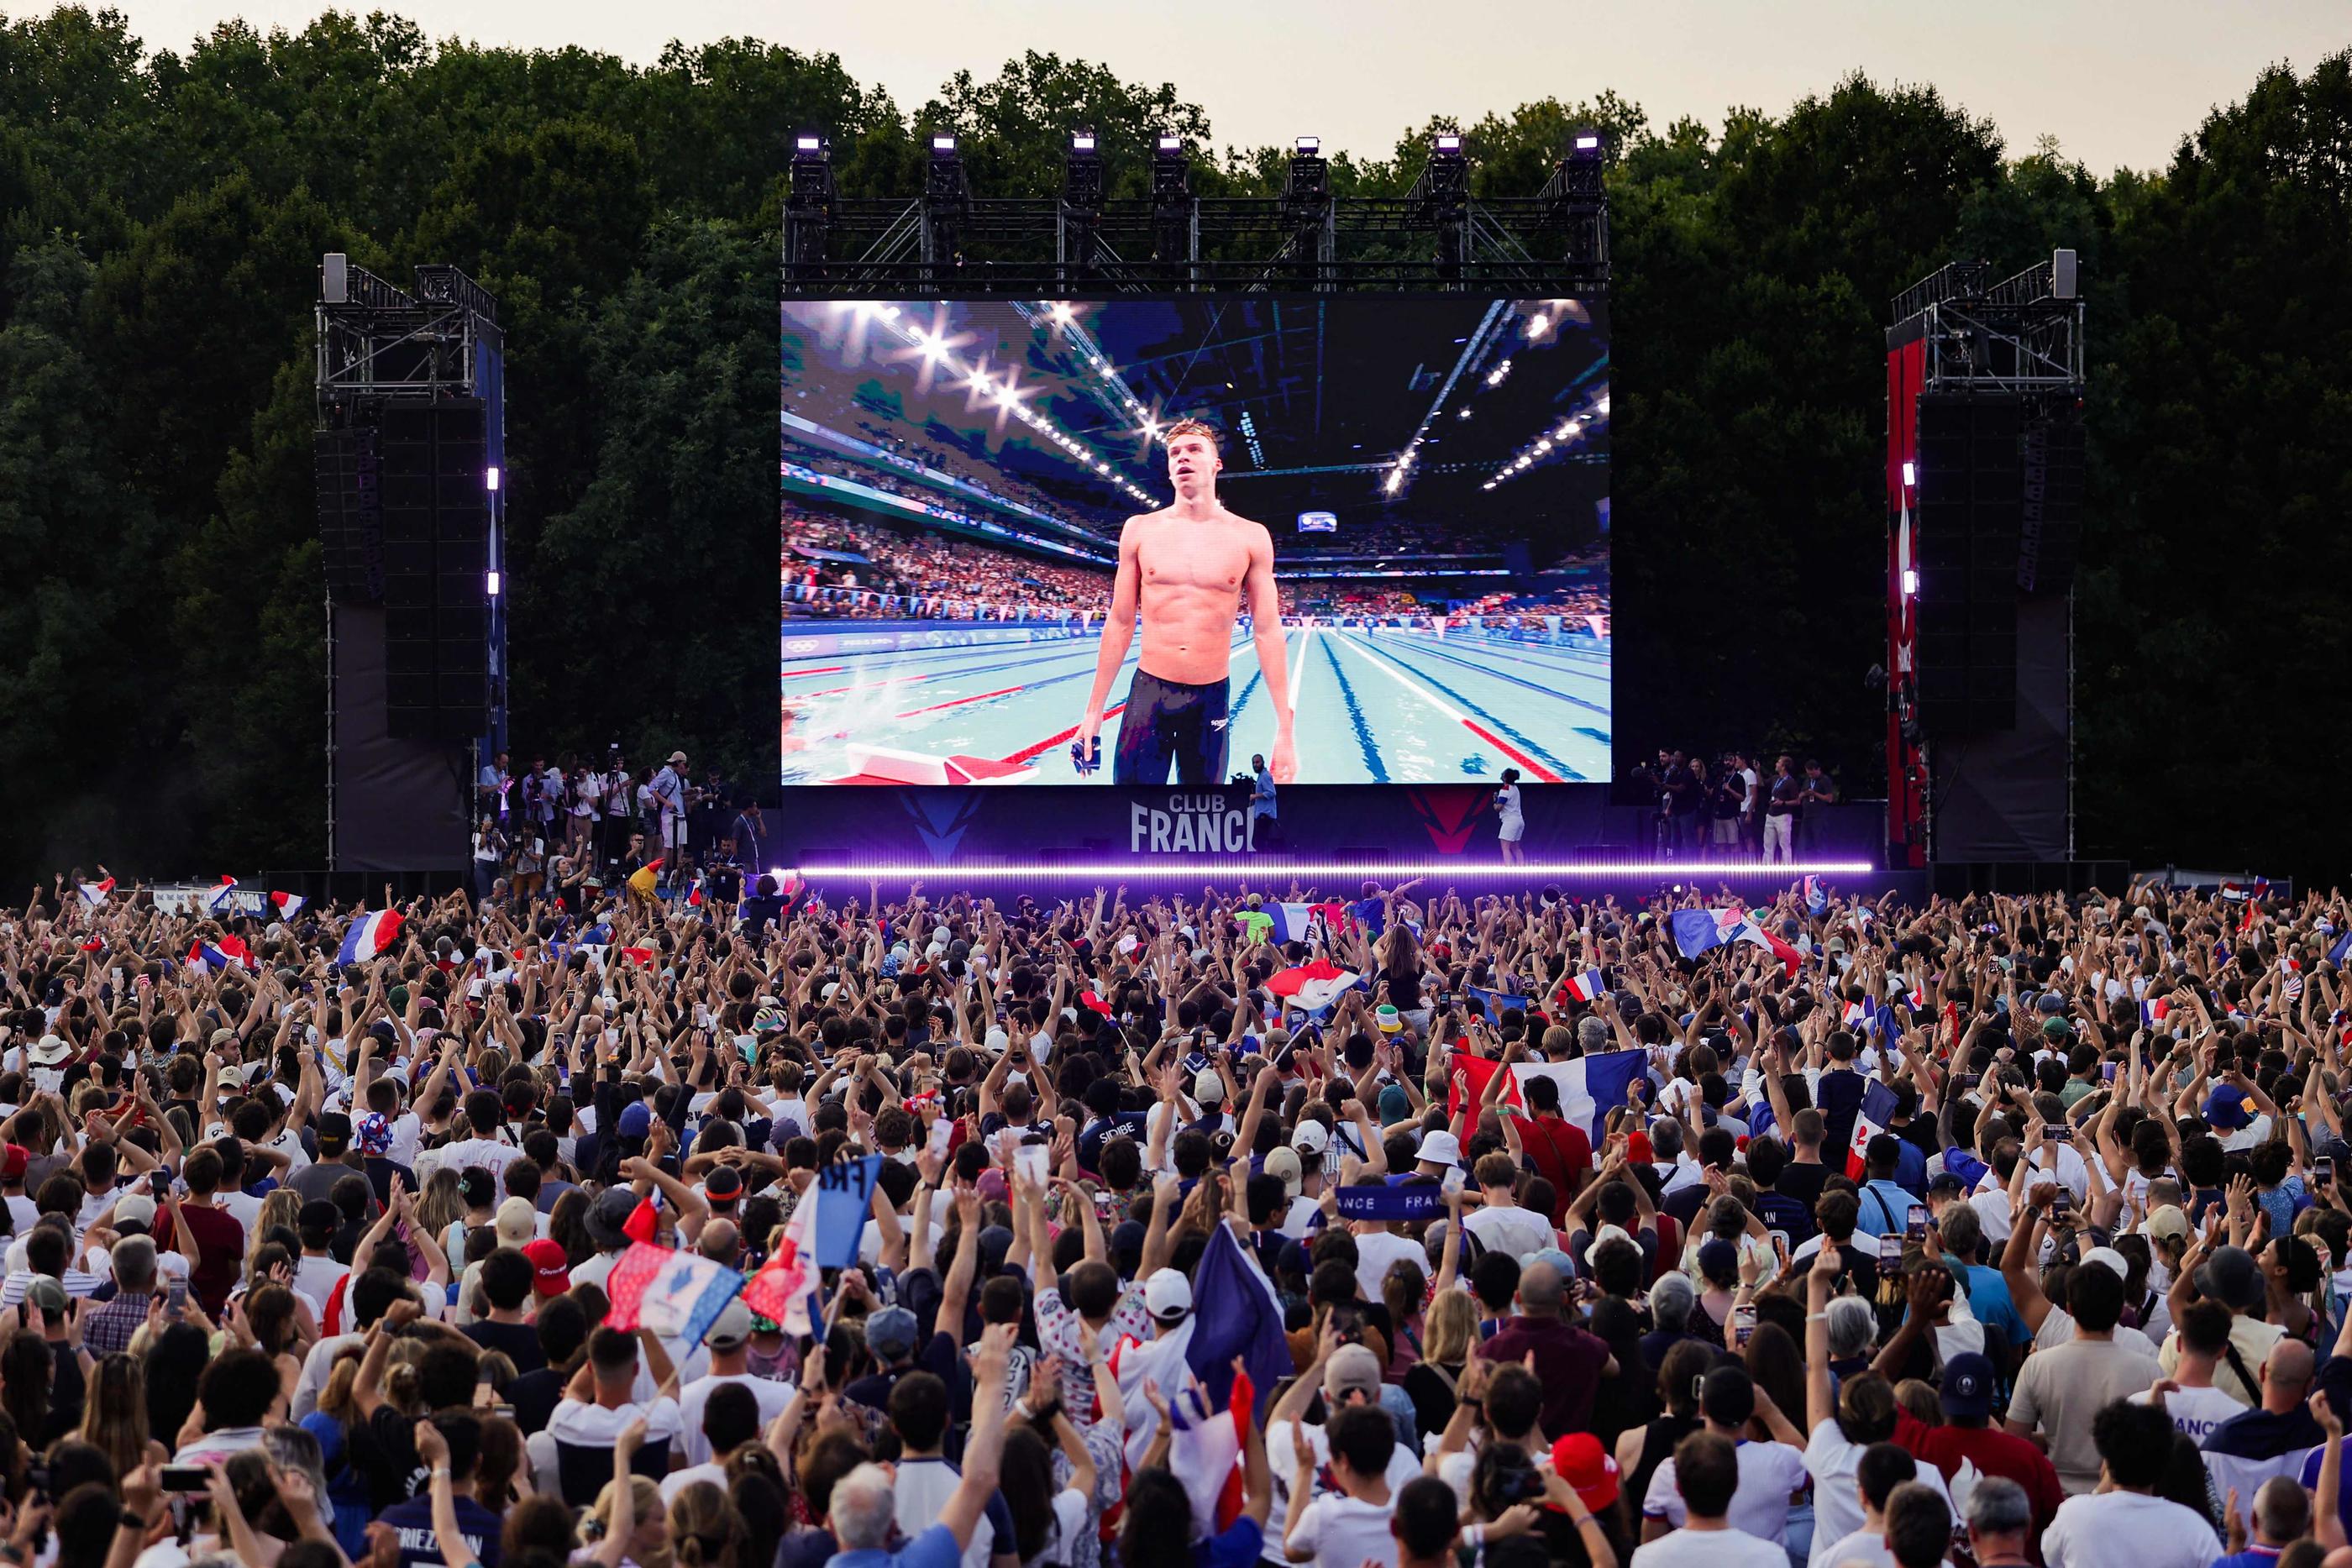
(161, 216)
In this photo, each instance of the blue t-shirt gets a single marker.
(935, 1548)
(1236, 1546)
(1989, 1301)
(412, 1522)
(1885, 1208)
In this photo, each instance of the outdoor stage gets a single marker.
(996, 841)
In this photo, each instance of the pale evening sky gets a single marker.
(2116, 82)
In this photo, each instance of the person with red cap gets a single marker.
(14, 1160)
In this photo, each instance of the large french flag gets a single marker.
(1698, 931)
(1206, 1449)
(1876, 1114)
(1590, 1087)
(369, 936)
(93, 893)
(1313, 987)
(1293, 922)
(222, 954)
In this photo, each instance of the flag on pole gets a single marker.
(785, 1290)
(1235, 1313)
(1875, 1116)
(1206, 1450)
(849, 1188)
(369, 936)
(93, 893)
(1590, 1087)
(1817, 898)
(222, 899)
(679, 1295)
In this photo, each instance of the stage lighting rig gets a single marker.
(1310, 215)
(1081, 208)
(1440, 200)
(1175, 213)
(1579, 199)
(809, 206)
(947, 205)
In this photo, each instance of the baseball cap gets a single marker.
(890, 1334)
(1166, 1296)
(2108, 1258)
(12, 1160)
(734, 1326)
(47, 1295)
(550, 1268)
(518, 1222)
(1284, 1163)
(1395, 1106)
(637, 1118)
(677, 757)
(2167, 1221)
(1208, 1088)
(2228, 1109)
(724, 1184)
(1580, 1462)
(2230, 1276)
(1946, 1182)
(1310, 1138)
(608, 1214)
(1353, 1368)
(1968, 1386)
(335, 1134)
(135, 1208)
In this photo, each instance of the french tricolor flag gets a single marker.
(694, 895)
(220, 954)
(222, 899)
(1817, 898)
(1854, 1013)
(2341, 951)
(93, 893)
(369, 936)
(287, 905)
(1876, 1114)
(1293, 922)
(2153, 1013)
(1585, 988)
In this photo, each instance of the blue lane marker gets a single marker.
(1562, 768)
(1364, 741)
(1497, 674)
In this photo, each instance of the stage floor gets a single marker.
(1374, 706)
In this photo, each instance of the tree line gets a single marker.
(162, 215)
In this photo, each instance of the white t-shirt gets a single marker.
(1402, 1468)
(1866, 1547)
(1342, 1531)
(2127, 1529)
(1376, 1252)
(771, 1394)
(487, 1153)
(677, 1481)
(590, 1425)
(920, 1494)
(1769, 1472)
(1514, 1232)
(1837, 1500)
(2195, 1411)
(1711, 1549)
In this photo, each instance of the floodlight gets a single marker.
(1308, 146)
(1448, 142)
(491, 479)
(808, 141)
(1910, 475)
(1910, 583)
(1083, 142)
(943, 146)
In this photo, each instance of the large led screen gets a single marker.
(1012, 526)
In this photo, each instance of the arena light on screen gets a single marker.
(1396, 524)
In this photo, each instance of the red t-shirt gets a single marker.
(221, 1238)
(1562, 1155)
(1992, 1451)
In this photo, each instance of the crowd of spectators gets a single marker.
(916, 574)
(2003, 1231)
(574, 828)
